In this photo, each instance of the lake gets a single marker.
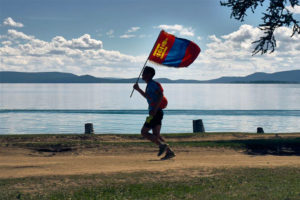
(65, 108)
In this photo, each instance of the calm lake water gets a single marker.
(65, 108)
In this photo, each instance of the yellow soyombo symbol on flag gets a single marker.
(161, 49)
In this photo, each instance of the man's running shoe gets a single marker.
(169, 155)
(162, 149)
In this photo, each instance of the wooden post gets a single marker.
(198, 126)
(260, 130)
(88, 128)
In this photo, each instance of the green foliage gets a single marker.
(276, 15)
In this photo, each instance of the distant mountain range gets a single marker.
(292, 76)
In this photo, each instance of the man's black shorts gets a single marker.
(156, 120)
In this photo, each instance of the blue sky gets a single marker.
(126, 30)
(73, 18)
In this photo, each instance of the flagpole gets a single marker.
(137, 80)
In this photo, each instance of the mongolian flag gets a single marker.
(173, 52)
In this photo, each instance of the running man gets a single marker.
(157, 102)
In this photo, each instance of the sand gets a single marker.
(18, 162)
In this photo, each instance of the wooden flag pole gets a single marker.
(137, 80)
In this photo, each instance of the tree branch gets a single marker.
(276, 15)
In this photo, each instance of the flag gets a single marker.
(173, 52)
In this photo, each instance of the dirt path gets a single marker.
(18, 162)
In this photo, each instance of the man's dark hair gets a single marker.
(149, 70)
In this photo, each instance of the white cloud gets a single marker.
(13, 34)
(230, 55)
(133, 29)
(199, 38)
(6, 43)
(244, 33)
(126, 36)
(129, 33)
(295, 10)
(110, 33)
(83, 42)
(10, 22)
(82, 55)
(214, 38)
(226, 55)
(177, 29)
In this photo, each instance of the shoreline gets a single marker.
(187, 134)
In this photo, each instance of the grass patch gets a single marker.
(61, 143)
(280, 146)
(243, 183)
(133, 136)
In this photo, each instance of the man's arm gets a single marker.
(136, 87)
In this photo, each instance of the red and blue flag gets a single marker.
(173, 52)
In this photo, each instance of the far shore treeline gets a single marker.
(292, 76)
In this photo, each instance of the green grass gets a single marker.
(129, 136)
(68, 142)
(243, 183)
(276, 146)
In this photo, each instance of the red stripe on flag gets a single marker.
(191, 53)
(162, 47)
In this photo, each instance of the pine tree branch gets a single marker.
(277, 15)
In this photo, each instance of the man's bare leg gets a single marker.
(156, 132)
(162, 146)
(153, 138)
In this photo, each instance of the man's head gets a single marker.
(148, 73)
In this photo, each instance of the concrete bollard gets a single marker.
(260, 130)
(88, 128)
(198, 126)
